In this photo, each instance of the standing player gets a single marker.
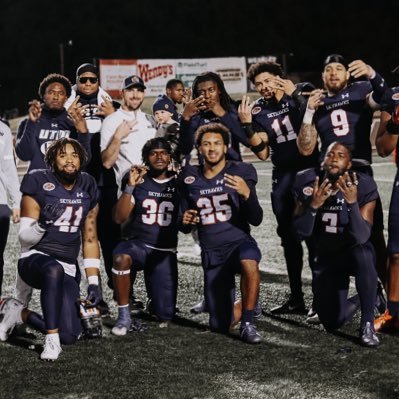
(277, 117)
(344, 114)
(177, 94)
(148, 210)
(335, 209)
(58, 205)
(50, 121)
(387, 142)
(220, 199)
(212, 104)
(9, 191)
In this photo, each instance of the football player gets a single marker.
(335, 209)
(58, 205)
(277, 117)
(148, 210)
(219, 197)
(387, 142)
(343, 112)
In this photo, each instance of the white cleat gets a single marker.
(11, 310)
(122, 326)
(52, 347)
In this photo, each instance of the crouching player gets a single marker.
(335, 209)
(148, 209)
(58, 204)
(220, 198)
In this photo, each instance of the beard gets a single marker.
(65, 177)
(336, 88)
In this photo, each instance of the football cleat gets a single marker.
(368, 337)
(290, 306)
(249, 334)
(11, 309)
(122, 326)
(386, 322)
(200, 307)
(312, 317)
(52, 347)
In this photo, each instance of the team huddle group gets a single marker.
(103, 173)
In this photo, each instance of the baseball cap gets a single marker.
(86, 68)
(336, 58)
(132, 81)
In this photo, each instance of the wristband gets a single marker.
(128, 189)
(91, 262)
(248, 129)
(259, 147)
(308, 117)
(93, 280)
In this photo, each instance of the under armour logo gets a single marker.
(345, 95)
(171, 189)
(340, 201)
(54, 125)
(220, 181)
(79, 195)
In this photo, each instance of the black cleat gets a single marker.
(312, 317)
(200, 307)
(136, 306)
(368, 337)
(249, 334)
(291, 306)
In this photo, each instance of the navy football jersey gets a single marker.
(329, 233)
(69, 208)
(389, 103)
(223, 213)
(281, 120)
(154, 217)
(346, 118)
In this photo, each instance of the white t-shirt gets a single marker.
(131, 146)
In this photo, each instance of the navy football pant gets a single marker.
(5, 213)
(331, 276)
(283, 205)
(393, 219)
(59, 295)
(220, 267)
(160, 275)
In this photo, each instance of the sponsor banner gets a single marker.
(112, 73)
(232, 70)
(155, 74)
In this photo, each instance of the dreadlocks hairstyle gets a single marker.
(212, 128)
(58, 146)
(55, 78)
(156, 143)
(225, 100)
(271, 67)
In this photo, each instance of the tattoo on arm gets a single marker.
(307, 139)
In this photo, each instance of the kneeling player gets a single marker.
(220, 198)
(335, 209)
(57, 206)
(148, 210)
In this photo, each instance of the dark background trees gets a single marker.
(32, 34)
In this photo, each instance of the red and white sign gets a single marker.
(112, 73)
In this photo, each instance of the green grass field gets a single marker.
(185, 360)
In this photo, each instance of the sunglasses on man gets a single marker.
(84, 80)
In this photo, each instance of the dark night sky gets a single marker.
(31, 32)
